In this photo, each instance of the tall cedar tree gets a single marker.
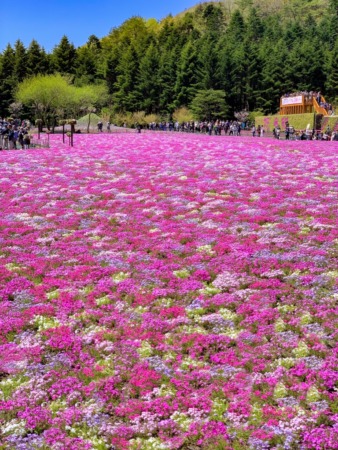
(86, 66)
(125, 97)
(332, 70)
(38, 62)
(189, 77)
(7, 79)
(64, 57)
(20, 61)
(148, 85)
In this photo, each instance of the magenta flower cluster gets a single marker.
(169, 292)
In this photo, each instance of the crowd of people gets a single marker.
(217, 127)
(14, 134)
(259, 131)
(234, 128)
(308, 134)
(307, 94)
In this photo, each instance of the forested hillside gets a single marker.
(253, 51)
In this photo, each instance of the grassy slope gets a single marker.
(298, 121)
(83, 122)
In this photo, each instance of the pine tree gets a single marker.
(236, 28)
(238, 75)
(167, 79)
(148, 87)
(125, 97)
(332, 70)
(90, 64)
(232, 71)
(110, 70)
(208, 58)
(86, 66)
(273, 28)
(254, 65)
(224, 64)
(64, 57)
(209, 105)
(214, 19)
(189, 78)
(20, 62)
(37, 60)
(94, 43)
(293, 34)
(254, 26)
(304, 69)
(167, 35)
(273, 76)
(7, 80)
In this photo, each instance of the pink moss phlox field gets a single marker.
(169, 292)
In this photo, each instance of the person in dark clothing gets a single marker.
(26, 140)
(20, 138)
(11, 138)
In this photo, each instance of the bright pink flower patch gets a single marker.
(162, 290)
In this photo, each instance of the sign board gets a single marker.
(298, 100)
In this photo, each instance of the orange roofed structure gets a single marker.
(302, 103)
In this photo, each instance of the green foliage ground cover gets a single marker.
(94, 120)
(332, 122)
(298, 121)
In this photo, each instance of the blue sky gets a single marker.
(47, 21)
